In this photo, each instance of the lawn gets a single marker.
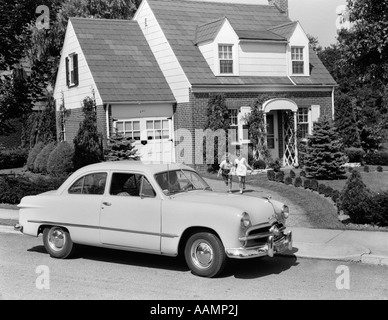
(321, 211)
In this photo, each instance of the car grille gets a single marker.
(259, 236)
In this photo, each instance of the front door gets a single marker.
(273, 134)
(130, 213)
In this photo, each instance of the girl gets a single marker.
(241, 170)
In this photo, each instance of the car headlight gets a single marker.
(285, 212)
(245, 221)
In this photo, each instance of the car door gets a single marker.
(131, 213)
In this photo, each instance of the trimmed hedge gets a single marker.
(13, 158)
(321, 188)
(378, 158)
(60, 161)
(288, 181)
(298, 182)
(355, 154)
(33, 154)
(379, 169)
(259, 164)
(13, 189)
(307, 184)
(40, 164)
(366, 169)
(314, 185)
(271, 175)
(292, 174)
(279, 177)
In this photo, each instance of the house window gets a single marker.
(129, 129)
(303, 123)
(297, 60)
(225, 55)
(72, 70)
(233, 116)
(157, 129)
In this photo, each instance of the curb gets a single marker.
(374, 260)
(8, 230)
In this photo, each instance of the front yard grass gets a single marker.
(321, 212)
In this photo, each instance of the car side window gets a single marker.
(93, 184)
(130, 184)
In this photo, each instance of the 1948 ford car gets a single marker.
(155, 208)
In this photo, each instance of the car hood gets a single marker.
(260, 210)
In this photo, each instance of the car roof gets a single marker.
(146, 167)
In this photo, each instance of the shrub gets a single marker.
(356, 200)
(302, 174)
(307, 184)
(298, 182)
(355, 154)
(366, 169)
(328, 191)
(275, 166)
(379, 158)
(13, 158)
(259, 164)
(292, 174)
(60, 160)
(33, 154)
(379, 169)
(335, 196)
(314, 185)
(288, 181)
(321, 188)
(271, 175)
(279, 177)
(350, 169)
(13, 189)
(381, 208)
(40, 164)
(88, 147)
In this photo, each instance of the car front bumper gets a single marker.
(269, 249)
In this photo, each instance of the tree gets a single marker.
(324, 159)
(257, 130)
(217, 118)
(88, 147)
(120, 148)
(346, 122)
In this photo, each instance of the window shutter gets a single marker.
(75, 62)
(67, 72)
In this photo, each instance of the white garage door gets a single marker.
(153, 137)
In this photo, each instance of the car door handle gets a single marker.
(107, 204)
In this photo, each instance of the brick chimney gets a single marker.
(282, 5)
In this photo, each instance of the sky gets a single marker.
(317, 17)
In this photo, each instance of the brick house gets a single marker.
(152, 76)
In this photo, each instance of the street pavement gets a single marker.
(370, 247)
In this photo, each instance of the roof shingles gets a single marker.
(121, 61)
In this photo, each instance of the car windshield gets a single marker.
(176, 181)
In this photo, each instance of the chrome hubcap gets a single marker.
(202, 254)
(56, 239)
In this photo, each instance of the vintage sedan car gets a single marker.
(165, 209)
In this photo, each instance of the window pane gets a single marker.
(128, 126)
(150, 135)
(136, 125)
(150, 125)
(158, 124)
(165, 124)
(166, 134)
(136, 135)
(120, 126)
(158, 134)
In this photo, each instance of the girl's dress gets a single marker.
(241, 168)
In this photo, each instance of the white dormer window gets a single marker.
(225, 55)
(297, 58)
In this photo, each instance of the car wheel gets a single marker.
(57, 242)
(205, 254)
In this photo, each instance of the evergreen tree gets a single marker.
(88, 147)
(324, 159)
(217, 118)
(120, 148)
(346, 123)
